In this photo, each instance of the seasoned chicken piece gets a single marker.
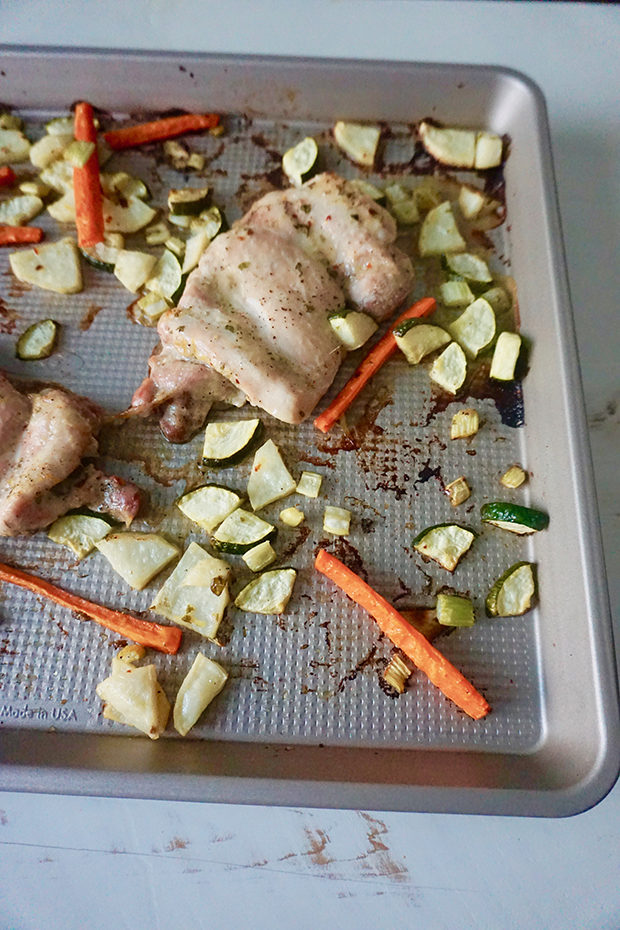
(256, 310)
(41, 475)
(185, 390)
(338, 224)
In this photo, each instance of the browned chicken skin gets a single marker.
(44, 437)
(255, 311)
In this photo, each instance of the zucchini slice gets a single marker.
(260, 556)
(439, 233)
(474, 329)
(352, 327)
(209, 505)
(514, 591)
(188, 201)
(449, 369)
(203, 682)
(228, 442)
(101, 256)
(403, 204)
(58, 176)
(269, 593)
(14, 146)
(456, 294)
(79, 531)
(167, 276)
(137, 557)
(194, 247)
(53, 267)
(471, 201)
(489, 149)
(133, 696)
(292, 516)
(38, 341)
(470, 266)
(465, 423)
(20, 209)
(336, 520)
(133, 268)
(148, 309)
(211, 221)
(299, 162)
(241, 531)
(370, 190)
(514, 477)
(505, 356)
(455, 610)
(444, 543)
(310, 484)
(60, 126)
(127, 216)
(455, 147)
(358, 141)
(200, 607)
(514, 517)
(415, 340)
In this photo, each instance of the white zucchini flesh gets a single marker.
(310, 484)
(475, 327)
(269, 593)
(260, 556)
(471, 201)
(470, 266)
(445, 544)
(49, 149)
(132, 268)
(134, 697)
(359, 141)
(209, 506)
(449, 369)
(505, 356)
(421, 340)
(353, 329)
(63, 209)
(137, 557)
(269, 480)
(336, 520)
(203, 682)
(14, 146)
(127, 217)
(53, 267)
(166, 278)
(194, 247)
(58, 176)
(79, 532)
(240, 531)
(439, 234)
(456, 147)
(20, 209)
(198, 607)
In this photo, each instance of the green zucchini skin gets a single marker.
(233, 548)
(505, 512)
(239, 456)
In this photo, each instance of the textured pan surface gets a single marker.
(313, 676)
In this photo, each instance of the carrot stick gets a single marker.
(371, 364)
(86, 183)
(160, 129)
(155, 635)
(7, 176)
(405, 637)
(18, 235)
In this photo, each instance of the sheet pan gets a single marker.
(304, 720)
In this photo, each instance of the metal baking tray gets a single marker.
(303, 720)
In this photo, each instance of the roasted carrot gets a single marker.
(19, 235)
(7, 176)
(371, 364)
(86, 183)
(425, 656)
(159, 129)
(155, 635)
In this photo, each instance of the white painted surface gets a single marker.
(71, 863)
